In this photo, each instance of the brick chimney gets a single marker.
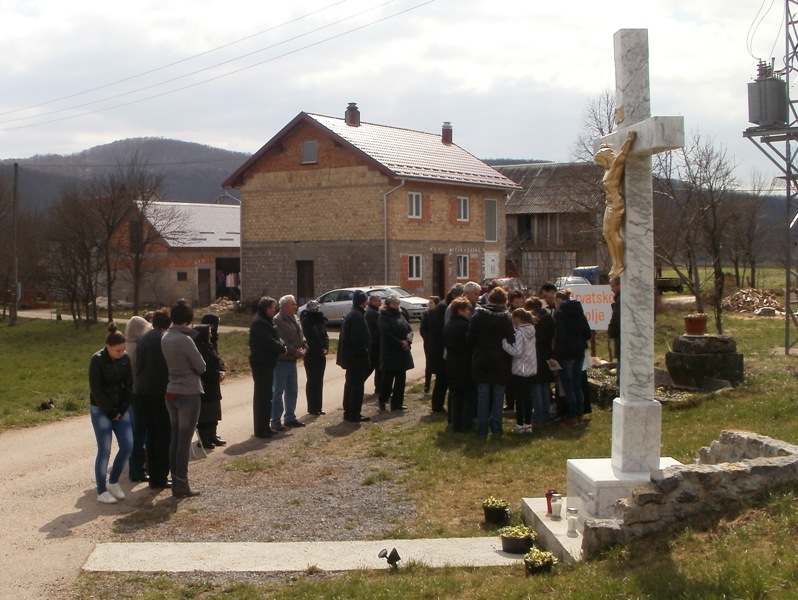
(446, 133)
(352, 115)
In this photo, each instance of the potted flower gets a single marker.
(497, 510)
(695, 324)
(517, 539)
(538, 561)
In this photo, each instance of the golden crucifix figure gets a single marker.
(614, 202)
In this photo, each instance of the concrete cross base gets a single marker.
(636, 433)
(594, 485)
(552, 534)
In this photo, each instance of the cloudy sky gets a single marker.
(513, 76)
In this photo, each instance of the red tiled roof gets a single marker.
(415, 154)
(401, 153)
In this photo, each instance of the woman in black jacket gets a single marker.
(314, 328)
(491, 365)
(111, 384)
(462, 390)
(395, 357)
(215, 371)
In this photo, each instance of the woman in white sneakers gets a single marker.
(111, 383)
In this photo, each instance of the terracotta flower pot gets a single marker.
(695, 324)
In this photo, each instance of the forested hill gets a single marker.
(193, 172)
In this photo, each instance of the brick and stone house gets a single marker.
(554, 220)
(192, 251)
(335, 202)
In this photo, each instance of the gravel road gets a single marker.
(52, 520)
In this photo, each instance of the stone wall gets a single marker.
(737, 468)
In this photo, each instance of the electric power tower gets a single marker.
(775, 116)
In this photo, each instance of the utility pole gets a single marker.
(12, 316)
(775, 115)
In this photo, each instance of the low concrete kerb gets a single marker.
(295, 556)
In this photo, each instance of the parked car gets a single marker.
(570, 281)
(336, 303)
(508, 283)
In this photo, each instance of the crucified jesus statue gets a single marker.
(614, 202)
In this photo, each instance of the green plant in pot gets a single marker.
(539, 561)
(497, 510)
(517, 539)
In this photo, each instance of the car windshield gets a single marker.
(399, 292)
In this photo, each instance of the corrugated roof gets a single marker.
(413, 154)
(199, 225)
(554, 187)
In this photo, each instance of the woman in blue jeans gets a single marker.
(111, 390)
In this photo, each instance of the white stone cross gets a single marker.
(636, 421)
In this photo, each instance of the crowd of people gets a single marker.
(487, 353)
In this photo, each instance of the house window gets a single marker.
(182, 276)
(414, 266)
(309, 152)
(414, 205)
(463, 211)
(462, 266)
(491, 221)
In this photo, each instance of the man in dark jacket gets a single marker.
(353, 356)
(264, 348)
(152, 377)
(435, 333)
(571, 333)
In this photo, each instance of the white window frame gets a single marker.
(462, 266)
(414, 267)
(414, 205)
(495, 224)
(305, 157)
(463, 209)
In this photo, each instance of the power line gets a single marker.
(178, 62)
(210, 79)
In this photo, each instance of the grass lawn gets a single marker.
(746, 554)
(47, 359)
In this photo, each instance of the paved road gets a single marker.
(51, 520)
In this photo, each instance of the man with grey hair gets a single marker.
(471, 290)
(285, 374)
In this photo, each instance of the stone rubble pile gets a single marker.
(751, 300)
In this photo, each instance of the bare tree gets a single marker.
(598, 120)
(74, 260)
(697, 182)
(146, 225)
(745, 239)
(119, 202)
(6, 244)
